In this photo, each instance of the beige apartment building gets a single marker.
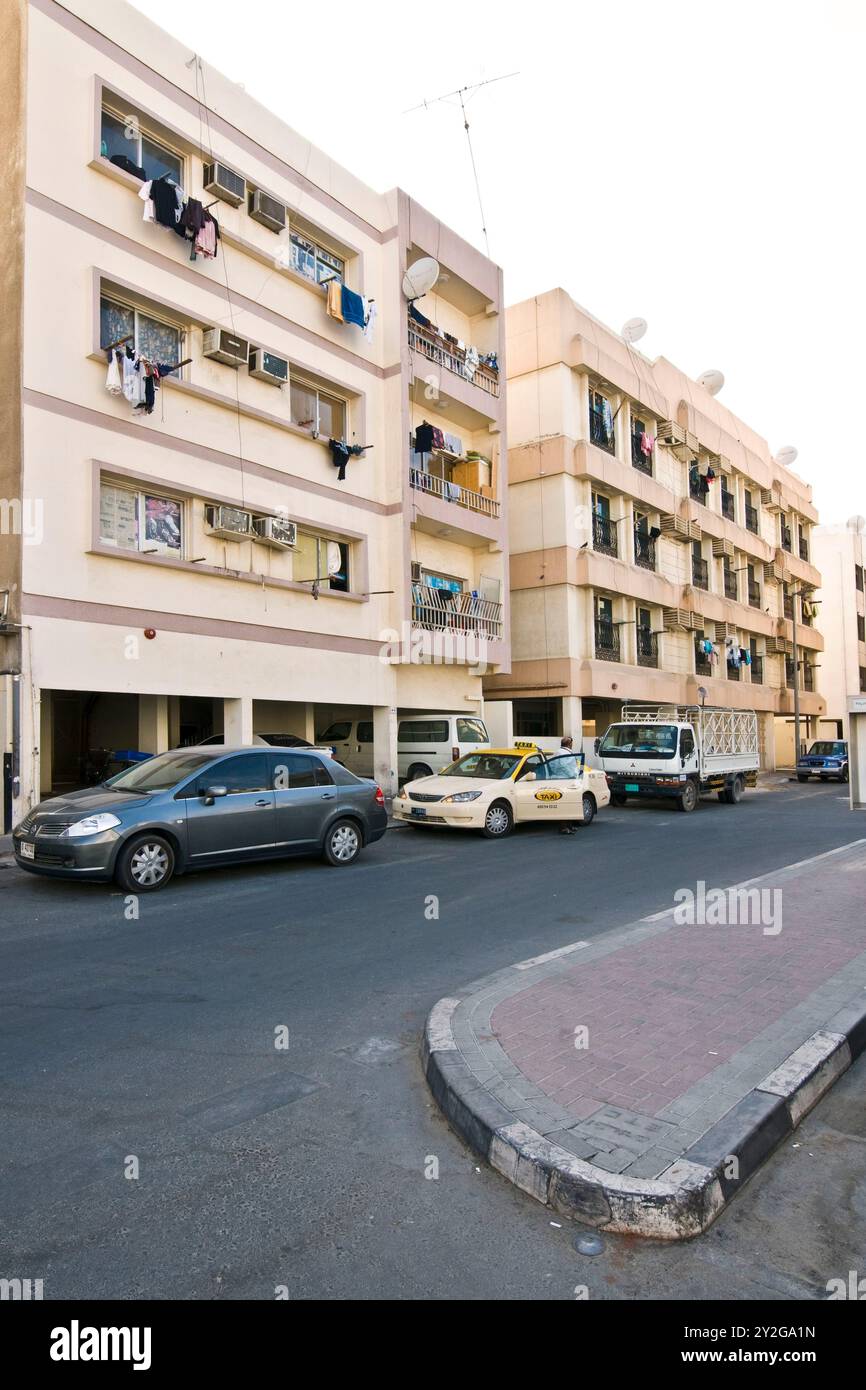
(840, 554)
(188, 554)
(658, 552)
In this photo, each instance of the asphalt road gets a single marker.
(152, 1042)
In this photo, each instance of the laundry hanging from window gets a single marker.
(166, 204)
(341, 452)
(136, 378)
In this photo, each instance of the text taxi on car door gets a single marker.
(495, 788)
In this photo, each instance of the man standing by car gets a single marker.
(566, 745)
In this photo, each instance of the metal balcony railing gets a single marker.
(451, 492)
(804, 548)
(600, 432)
(604, 535)
(733, 671)
(644, 550)
(696, 492)
(703, 665)
(754, 594)
(786, 538)
(639, 459)
(452, 358)
(700, 574)
(647, 647)
(440, 610)
(606, 640)
(731, 590)
(757, 670)
(752, 519)
(728, 505)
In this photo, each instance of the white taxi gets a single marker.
(496, 788)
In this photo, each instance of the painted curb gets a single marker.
(688, 1196)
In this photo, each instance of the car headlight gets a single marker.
(91, 825)
(462, 796)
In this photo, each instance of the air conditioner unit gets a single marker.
(275, 531)
(224, 183)
(416, 572)
(223, 346)
(229, 522)
(262, 208)
(268, 367)
(723, 547)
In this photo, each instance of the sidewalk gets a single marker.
(636, 1081)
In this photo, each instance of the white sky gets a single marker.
(697, 164)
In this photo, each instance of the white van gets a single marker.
(425, 743)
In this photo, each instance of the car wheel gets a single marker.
(498, 821)
(688, 798)
(618, 799)
(734, 793)
(342, 843)
(418, 770)
(802, 777)
(145, 864)
(588, 808)
(843, 777)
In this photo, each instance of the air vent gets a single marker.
(231, 523)
(268, 367)
(262, 208)
(416, 572)
(275, 531)
(222, 346)
(224, 183)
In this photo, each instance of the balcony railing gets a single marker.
(647, 647)
(733, 671)
(754, 594)
(700, 574)
(451, 357)
(600, 432)
(703, 665)
(752, 519)
(804, 548)
(757, 670)
(731, 585)
(639, 459)
(788, 606)
(644, 550)
(606, 640)
(451, 492)
(789, 672)
(604, 535)
(696, 492)
(786, 538)
(440, 610)
(728, 505)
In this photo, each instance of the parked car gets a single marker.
(825, 759)
(193, 808)
(492, 789)
(425, 742)
(272, 741)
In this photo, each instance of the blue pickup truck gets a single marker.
(828, 758)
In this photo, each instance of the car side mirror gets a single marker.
(597, 744)
(210, 794)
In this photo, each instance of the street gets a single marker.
(155, 1045)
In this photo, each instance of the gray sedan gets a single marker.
(196, 808)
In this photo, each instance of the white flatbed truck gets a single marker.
(680, 752)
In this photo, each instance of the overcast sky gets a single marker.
(697, 164)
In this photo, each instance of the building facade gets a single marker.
(658, 552)
(189, 553)
(840, 554)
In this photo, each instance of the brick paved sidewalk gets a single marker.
(681, 1021)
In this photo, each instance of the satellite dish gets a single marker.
(420, 277)
(712, 381)
(786, 456)
(857, 524)
(634, 330)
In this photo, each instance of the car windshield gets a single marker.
(640, 741)
(161, 773)
(490, 766)
(827, 750)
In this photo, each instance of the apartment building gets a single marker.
(658, 552)
(214, 514)
(840, 554)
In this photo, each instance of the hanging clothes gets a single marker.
(144, 194)
(200, 228)
(418, 317)
(424, 438)
(133, 388)
(335, 300)
(470, 363)
(647, 443)
(168, 200)
(353, 307)
(438, 439)
(371, 313)
(339, 456)
(113, 381)
(124, 162)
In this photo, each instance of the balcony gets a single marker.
(696, 492)
(643, 462)
(731, 590)
(606, 640)
(452, 358)
(600, 431)
(703, 665)
(754, 594)
(729, 505)
(440, 610)
(752, 519)
(733, 671)
(700, 574)
(647, 647)
(644, 550)
(604, 535)
(804, 549)
(452, 492)
(757, 670)
(788, 607)
(786, 538)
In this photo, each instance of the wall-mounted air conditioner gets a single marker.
(268, 367)
(416, 572)
(231, 523)
(274, 530)
(224, 183)
(223, 346)
(267, 210)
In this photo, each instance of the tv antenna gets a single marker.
(460, 93)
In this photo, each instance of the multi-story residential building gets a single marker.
(658, 551)
(200, 561)
(840, 554)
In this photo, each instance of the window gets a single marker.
(365, 731)
(336, 733)
(247, 772)
(316, 411)
(313, 261)
(140, 521)
(315, 559)
(423, 731)
(125, 144)
(471, 731)
(533, 764)
(687, 743)
(152, 338)
(858, 577)
(861, 628)
(556, 769)
(301, 770)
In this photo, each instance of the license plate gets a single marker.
(27, 851)
(419, 811)
(632, 787)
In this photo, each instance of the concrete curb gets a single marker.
(687, 1197)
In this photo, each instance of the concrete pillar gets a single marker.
(153, 723)
(572, 718)
(238, 722)
(498, 715)
(310, 722)
(767, 740)
(385, 747)
(46, 742)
